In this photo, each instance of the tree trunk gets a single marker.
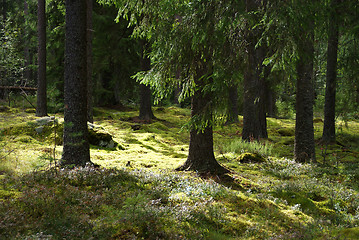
(304, 146)
(27, 55)
(4, 13)
(330, 91)
(201, 156)
(89, 62)
(233, 104)
(145, 91)
(254, 110)
(41, 108)
(76, 146)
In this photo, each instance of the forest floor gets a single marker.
(136, 194)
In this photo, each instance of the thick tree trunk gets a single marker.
(41, 108)
(254, 108)
(89, 62)
(330, 91)
(76, 146)
(145, 91)
(201, 156)
(304, 146)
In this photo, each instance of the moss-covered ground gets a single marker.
(136, 194)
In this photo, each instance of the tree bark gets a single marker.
(41, 108)
(254, 109)
(330, 90)
(233, 104)
(76, 146)
(27, 55)
(201, 156)
(145, 91)
(89, 61)
(304, 146)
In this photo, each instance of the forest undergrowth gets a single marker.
(136, 194)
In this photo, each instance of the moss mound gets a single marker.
(251, 157)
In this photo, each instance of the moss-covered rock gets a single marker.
(349, 233)
(286, 132)
(100, 137)
(251, 157)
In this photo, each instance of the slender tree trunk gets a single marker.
(304, 146)
(145, 91)
(89, 62)
(76, 146)
(201, 156)
(4, 12)
(41, 108)
(254, 111)
(330, 91)
(233, 104)
(27, 72)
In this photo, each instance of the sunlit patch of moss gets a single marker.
(8, 194)
(349, 233)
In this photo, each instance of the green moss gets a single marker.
(286, 132)
(8, 194)
(251, 157)
(349, 234)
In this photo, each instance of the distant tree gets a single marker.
(41, 108)
(89, 37)
(330, 92)
(233, 110)
(304, 148)
(145, 90)
(76, 145)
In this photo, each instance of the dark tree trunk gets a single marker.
(201, 156)
(233, 104)
(145, 90)
(304, 146)
(4, 13)
(254, 110)
(41, 108)
(330, 91)
(27, 55)
(89, 62)
(76, 146)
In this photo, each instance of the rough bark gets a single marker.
(201, 156)
(4, 12)
(330, 91)
(76, 146)
(145, 91)
(233, 104)
(254, 110)
(304, 146)
(27, 55)
(89, 61)
(41, 108)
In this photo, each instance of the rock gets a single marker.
(4, 109)
(45, 120)
(100, 137)
(250, 157)
(39, 130)
(287, 132)
(136, 127)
